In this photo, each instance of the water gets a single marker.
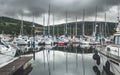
(67, 60)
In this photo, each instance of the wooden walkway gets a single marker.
(12, 67)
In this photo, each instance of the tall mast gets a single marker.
(21, 31)
(118, 26)
(48, 28)
(95, 21)
(66, 23)
(33, 20)
(83, 22)
(53, 26)
(105, 24)
(118, 14)
(33, 27)
(76, 26)
(44, 25)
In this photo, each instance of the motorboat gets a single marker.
(111, 53)
(7, 52)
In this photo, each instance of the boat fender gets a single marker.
(107, 67)
(95, 55)
(96, 70)
(97, 58)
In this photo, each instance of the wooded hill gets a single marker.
(12, 26)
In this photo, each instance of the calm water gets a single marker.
(66, 60)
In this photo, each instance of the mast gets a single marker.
(118, 15)
(21, 31)
(44, 25)
(33, 28)
(83, 22)
(105, 24)
(118, 26)
(76, 26)
(95, 21)
(33, 20)
(53, 26)
(66, 23)
(48, 28)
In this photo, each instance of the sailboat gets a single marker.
(48, 38)
(63, 39)
(75, 39)
(94, 39)
(21, 39)
(84, 40)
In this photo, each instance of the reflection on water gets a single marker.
(65, 60)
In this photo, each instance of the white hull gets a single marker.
(7, 52)
(84, 44)
(114, 64)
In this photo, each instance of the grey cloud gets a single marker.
(59, 7)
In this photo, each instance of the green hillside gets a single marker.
(12, 26)
(110, 28)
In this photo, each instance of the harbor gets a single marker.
(60, 37)
(52, 60)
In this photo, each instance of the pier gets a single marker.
(12, 67)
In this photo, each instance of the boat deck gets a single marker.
(109, 55)
(12, 67)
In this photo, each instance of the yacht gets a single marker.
(7, 52)
(21, 40)
(111, 53)
(63, 40)
(48, 40)
(84, 42)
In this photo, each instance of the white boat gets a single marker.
(48, 40)
(37, 39)
(75, 39)
(111, 53)
(7, 52)
(64, 39)
(21, 40)
(84, 42)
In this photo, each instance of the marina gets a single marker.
(60, 37)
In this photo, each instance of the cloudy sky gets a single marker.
(39, 9)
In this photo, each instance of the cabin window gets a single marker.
(117, 40)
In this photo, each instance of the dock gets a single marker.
(12, 67)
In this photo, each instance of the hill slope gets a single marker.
(12, 26)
